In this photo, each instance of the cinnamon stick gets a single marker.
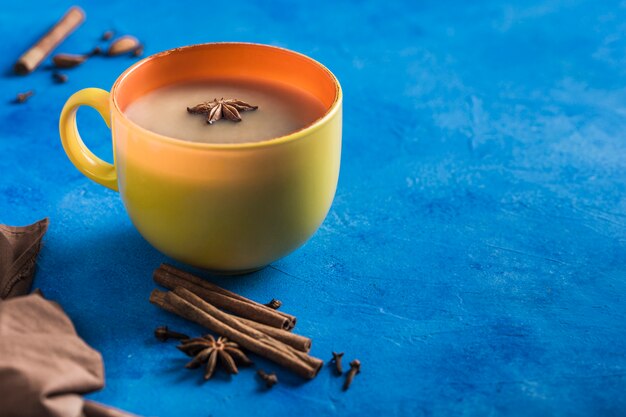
(186, 306)
(216, 288)
(296, 341)
(202, 282)
(40, 50)
(236, 322)
(171, 277)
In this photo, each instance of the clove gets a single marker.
(107, 35)
(95, 51)
(163, 334)
(59, 78)
(355, 368)
(23, 97)
(337, 360)
(269, 379)
(274, 304)
(138, 51)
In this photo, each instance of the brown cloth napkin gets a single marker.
(19, 247)
(44, 366)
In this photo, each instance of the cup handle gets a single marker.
(89, 164)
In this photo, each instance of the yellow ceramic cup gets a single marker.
(229, 208)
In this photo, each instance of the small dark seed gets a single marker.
(337, 360)
(163, 334)
(23, 97)
(138, 51)
(59, 78)
(269, 379)
(355, 368)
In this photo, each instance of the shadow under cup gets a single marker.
(229, 208)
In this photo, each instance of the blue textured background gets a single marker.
(474, 257)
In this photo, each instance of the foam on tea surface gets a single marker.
(282, 109)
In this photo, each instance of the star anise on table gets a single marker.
(207, 350)
(221, 109)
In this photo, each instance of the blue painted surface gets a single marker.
(474, 257)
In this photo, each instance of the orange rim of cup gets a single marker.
(332, 104)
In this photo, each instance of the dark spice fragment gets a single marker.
(138, 51)
(164, 334)
(355, 368)
(337, 360)
(107, 35)
(59, 78)
(269, 379)
(274, 304)
(23, 97)
(95, 51)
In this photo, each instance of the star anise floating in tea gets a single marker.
(222, 109)
(207, 350)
